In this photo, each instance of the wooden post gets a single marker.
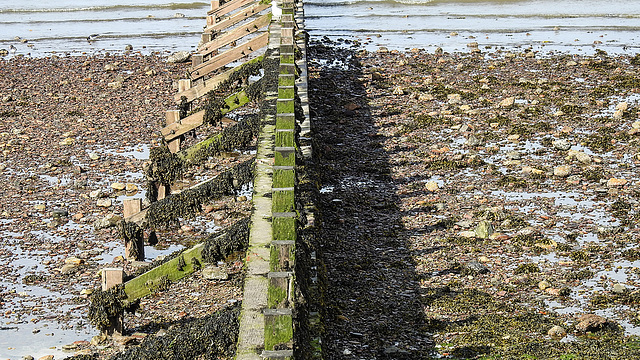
(163, 191)
(215, 4)
(131, 206)
(206, 37)
(184, 85)
(197, 59)
(110, 278)
(173, 116)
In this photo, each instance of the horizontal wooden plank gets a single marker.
(230, 56)
(236, 18)
(196, 120)
(156, 278)
(235, 34)
(207, 85)
(229, 6)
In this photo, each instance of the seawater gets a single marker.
(574, 26)
(40, 28)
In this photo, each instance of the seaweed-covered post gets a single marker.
(112, 277)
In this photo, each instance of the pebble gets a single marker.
(104, 203)
(543, 285)
(131, 187)
(107, 221)
(484, 229)
(623, 106)
(67, 142)
(561, 144)
(118, 186)
(591, 322)
(562, 171)
(508, 102)
(619, 288)
(94, 156)
(432, 186)
(557, 332)
(615, 182)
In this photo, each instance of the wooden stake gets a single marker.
(172, 117)
(184, 85)
(131, 206)
(110, 278)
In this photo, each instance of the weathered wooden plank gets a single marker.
(207, 85)
(157, 277)
(230, 56)
(172, 117)
(235, 34)
(235, 18)
(229, 7)
(196, 120)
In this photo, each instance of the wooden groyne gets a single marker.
(269, 39)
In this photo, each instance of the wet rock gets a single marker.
(484, 229)
(623, 106)
(68, 268)
(118, 186)
(591, 322)
(107, 222)
(508, 102)
(383, 49)
(636, 125)
(94, 156)
(40, 207)
(431, 186)
(179, 57)
(178, 15)
(115, 85)
(128, 47)
(475, 267)
(104, 203)
(131, 187)
(561, 144)
(211, 272)
(562, 171)
(615, 182)
(59, 213)
(96, 194)
(557, 332)
(619, 288)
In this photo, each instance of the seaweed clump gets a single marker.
(211, 337)
(131, 232)
(165, 168)
(108, 305)
(162, 214)
(234, 239)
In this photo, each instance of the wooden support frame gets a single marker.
(230, 56)
(213, 26)
(235, 34)
(228, 7)
(200, 90)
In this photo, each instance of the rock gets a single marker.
(59, 213)
(131, 187)
(429, 97)
(431, 186)
(179, 15)
(128, 47)
(46, 357)
(454, 98)
(618, 114)
(514, 155)
(614, 182)
(619, 288)
(66, 142)
(96, 194)
(383, 49)
(472, 141)
(74, 261)
(69, 347)
(377, 76)
(572, 63)
(583, 157)
(115, 85)
(107, 222)
(561, 144)
(623, 106)
(483, 259)
(27, 357)
(474, 268)
(68, 268)
(211, 272)
(591, 322)
(118, 186)
(562, 171)
(543, 285)
(557, 332)
(636, 125)
(508, 102)
(179, 57)
(399, 91)
(40, 207)
(472, 44)
(103, 203)
(484, 229)
(98, 339)
(94, 156)
(110, 67)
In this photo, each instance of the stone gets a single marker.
(514, 155)
(94, 156)
(131, 187)
(429, 97)
(484, 229)
(110, 67)
(128, 47)
(618, 114)
(179, 57)
(636, 125)
(104, 203)
(67, 141)
(543, 285)
(98, 339)
(399, 91)
(508, 102)
(46, 357)
(561, 144)
(115, 85)
(211, 272)
(591, 322)
(623, 106)
(614, 182)
(59, 213)
(68, 268)
(475, 267)
(96, 194)
(107, 221)
(179, 15)
(118, 186)
(562, 171)
(557, 332)
(27, 357)
(454, 98)
(473, 141)
(431, 186)
(583, 157)
(40, 207)
(619, 288)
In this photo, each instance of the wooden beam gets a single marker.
(235, 34)
(230, 56)
(228, 7)
(235, 18)
(200, 90)
(131, 206)
(196, 120)
(172, 117)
